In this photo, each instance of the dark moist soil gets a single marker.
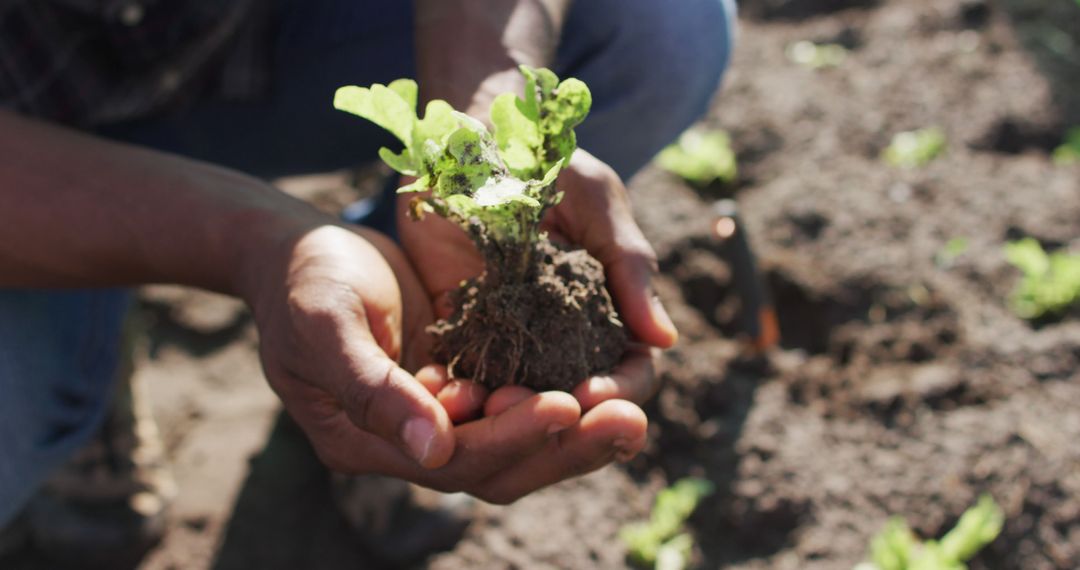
(549, 332)
(903, 385)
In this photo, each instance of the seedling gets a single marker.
(539, 315)
(1051, 282)
(913, 149)
(953, 249)
(701, 157)
(897, 547)
(1069, 151)
(658, 542)
(817, 56)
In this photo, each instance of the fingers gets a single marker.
(462, 399)
(629, 273)
(634, 379)
(495, 443)
(615, 429)
(387, 401)
(505, 397)
(610, 234)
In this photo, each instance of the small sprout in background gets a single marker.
(1069, 151)
(817, 56)
(675, 554)
(912, 149)
(701, 157)
(658, 541)
(1051, 282)
(897, 547)
(953, 249)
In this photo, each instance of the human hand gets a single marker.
(595, 214)
(336, 308)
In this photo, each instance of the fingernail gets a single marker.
(622, 454)
(419, 434)
(662, 318)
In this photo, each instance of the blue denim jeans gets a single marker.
(652, 66)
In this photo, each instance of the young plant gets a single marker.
(913, 149)
(1051, 282)
(817, 56)
(702, 158)
(897, 547)
(539, 314)
(952, 250)
(658, 542)
(1069, 151)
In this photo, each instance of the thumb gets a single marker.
(381, 398)
(629, 271)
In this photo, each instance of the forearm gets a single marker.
(76, 211)
(468, 51)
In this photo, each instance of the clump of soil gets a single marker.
(548, 331)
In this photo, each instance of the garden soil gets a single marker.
(556, 326)
(903, 384)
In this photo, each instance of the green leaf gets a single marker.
(977, 527)
(913, 149)
(381, 105)
(897, 548)
(1050, 282)
(700, 157)
(418, 185)
(407, 90)
(517, 136)
(552, 174)
(953, 249)
(497, 192)
(894, 547)
(675, 553)
(673, 506)
(401, 162)
(1069, 151)
(437, 125)
(817, 56)
(932, 557)
(495, 185)
(1028, 256)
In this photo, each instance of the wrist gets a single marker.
(259, 241)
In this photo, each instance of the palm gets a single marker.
(595, 214)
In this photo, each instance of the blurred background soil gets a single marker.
(904, 384)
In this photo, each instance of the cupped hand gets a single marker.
(595, 214)
(341, 317)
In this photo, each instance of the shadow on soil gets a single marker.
(284, 517)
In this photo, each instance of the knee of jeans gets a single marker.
(690, 46)
(661, 64)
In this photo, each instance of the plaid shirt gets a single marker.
(93, 62)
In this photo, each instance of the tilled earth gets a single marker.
(904, 385)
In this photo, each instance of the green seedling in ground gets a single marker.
(701, 157)
(658, 542)
(1051, 282)
(897, 547)
(1069, 151)
(817, 56)
(912, 149)
(953, 249)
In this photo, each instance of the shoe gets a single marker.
(400, 523)
(107, 506)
